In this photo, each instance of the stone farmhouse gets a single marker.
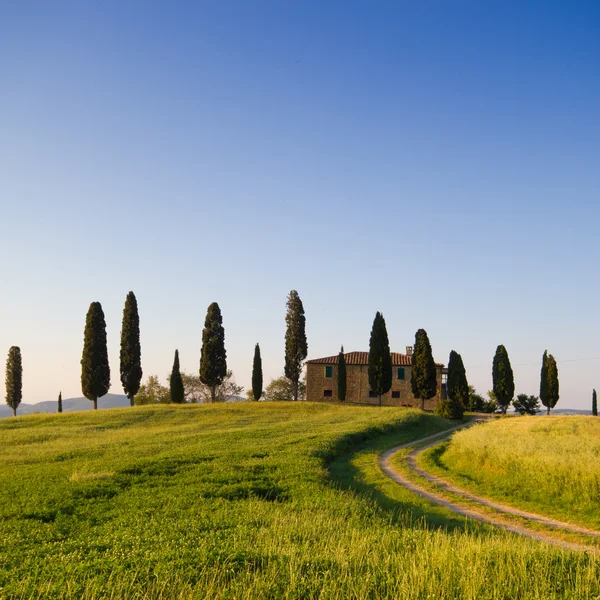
(321, 380)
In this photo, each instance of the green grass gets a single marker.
(548, 465)
(246, 501)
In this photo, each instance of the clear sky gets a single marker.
(436, 161)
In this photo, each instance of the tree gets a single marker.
(14, 378)
(341, 381)
(458, 387)
(131, 353)
(153, 392)
(59, 402)
(296, 347)
(95, 371)
(450, 408)
(549, 381)
(380, 358)
(282, 389)
(423, 373)
(213, 358)
(197, 392)
(176, 382)
(257, 376)
(594, 403)
(526, 405)
(503, 378)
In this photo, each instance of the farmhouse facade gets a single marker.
(322, 382)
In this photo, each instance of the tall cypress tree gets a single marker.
(380, 358)
(131, 353)
(553, 391)
(213, 358)
(458, 387)
(503, 378)
(341, 374)
(423, 378)
(14, 378)
(59, 402)
(296, 347)
(594, 403)
(176, 382)
(257, 375)
(95, 371)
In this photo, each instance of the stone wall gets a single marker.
(357, 386)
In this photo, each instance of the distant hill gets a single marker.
(568, 411)
(69, 405)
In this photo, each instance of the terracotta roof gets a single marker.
(362, 358)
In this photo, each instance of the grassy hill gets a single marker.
(545, 464)
(273, 500)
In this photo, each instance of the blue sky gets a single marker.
(436, 161)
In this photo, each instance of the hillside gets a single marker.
(543, 464)
(69, 405)
(248, 500)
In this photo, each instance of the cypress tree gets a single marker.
(257, 375)
(458, 387)
(553, 394)
(296, 347)
(95, 371)
(213, 358)
(380, 358)
(423, 378)
(549, 382)
(14, 378)
(503, 378)
(341, 376)
(594, 403)
(131, 353)
(59, 402)
(176, 382)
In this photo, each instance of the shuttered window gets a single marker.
(328, 371)
(401, 373)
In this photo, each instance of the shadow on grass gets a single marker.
(353, 465)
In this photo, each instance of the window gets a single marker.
(401, 373)
(328, 371)
(395, 394)
(373, 394)
(327, 393)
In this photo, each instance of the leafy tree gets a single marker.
(503, 379)
(296, 347)
(526, 405)
(59, 402)
(257, 376)
(458, 387)
(14, 378)
(423, 374)
(594, 403)
(95, 371)
(131, 353)
(380, 358)
(176, 383)
(549, 381)
(153, 392)
(213, 358)
(282, 389)
(450, 408)
(341, 381)
(197, 392)
(477, 403)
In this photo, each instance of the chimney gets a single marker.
(409, 350)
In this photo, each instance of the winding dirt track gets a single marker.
(387, 467)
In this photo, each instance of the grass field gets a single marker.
(246, 501)
(549, 465)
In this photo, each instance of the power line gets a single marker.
(566, 360)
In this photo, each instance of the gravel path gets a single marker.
(390, 471)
